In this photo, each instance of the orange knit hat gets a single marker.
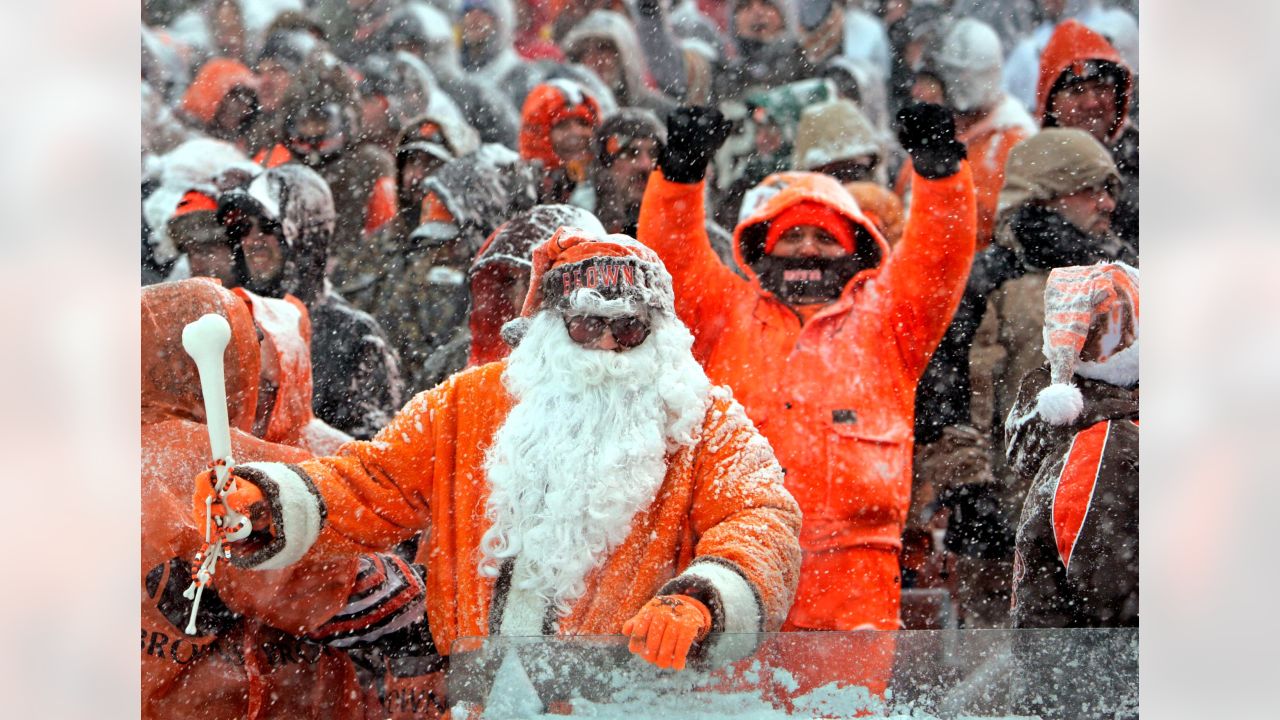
(612, 265)
(813, 214)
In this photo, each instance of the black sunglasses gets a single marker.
(628, 332)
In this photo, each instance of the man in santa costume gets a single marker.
(594, 482)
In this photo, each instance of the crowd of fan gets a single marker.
(384, 168)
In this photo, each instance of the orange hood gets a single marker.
(170, 381)
(216, 78)
(1069, 47)
(780, 191)
(548, 105)
(286, 322)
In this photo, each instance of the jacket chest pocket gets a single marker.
(868, 466)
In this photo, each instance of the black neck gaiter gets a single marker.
(813, 279)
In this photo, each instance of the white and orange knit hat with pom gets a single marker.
(1098, 301)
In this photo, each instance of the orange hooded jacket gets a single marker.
(720, 516)
(288, 326)
(216, 78)
(1069, 47)
(834, 395)
(548, 105)
(246, 661)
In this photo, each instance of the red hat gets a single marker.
(813, 214)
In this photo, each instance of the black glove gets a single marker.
(928, 133)
(649, 8)
(694, 133)
(977, 526)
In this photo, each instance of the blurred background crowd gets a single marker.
(383, 168)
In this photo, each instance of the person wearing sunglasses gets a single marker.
(593, 482)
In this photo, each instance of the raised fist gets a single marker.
(928, 133)
(694, 133)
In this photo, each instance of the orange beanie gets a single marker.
(814, 214)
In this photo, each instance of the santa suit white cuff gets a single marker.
(297, 511)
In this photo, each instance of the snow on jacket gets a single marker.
(1076, 563)
(421, 297)
(249, 658)
(291, 422)
(618, 31)
(720, 521)
(503, 57)
(355, 371)
(834, 394)
(196, 164)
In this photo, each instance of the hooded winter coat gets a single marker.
(833, 394)
(197, 164)
(206, 93)
(1076, 562)
(548, 105)
(720, 525)
(834, 131)
(763, 66)
(618, 31)
(1070, 47)
(1022, 64)
(427, 32)
(247, 659)
(356, 373)
(291, 422)
(508, 254)
(421, 298)
(361, 176)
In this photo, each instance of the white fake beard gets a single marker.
(584, 449)
(1121, 369)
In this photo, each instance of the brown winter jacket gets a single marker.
(247, 660)
(721, 525)
(1076, 562)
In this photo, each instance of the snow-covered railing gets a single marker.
(1056, 673)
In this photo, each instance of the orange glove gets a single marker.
(244, 498)
(666, 627)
